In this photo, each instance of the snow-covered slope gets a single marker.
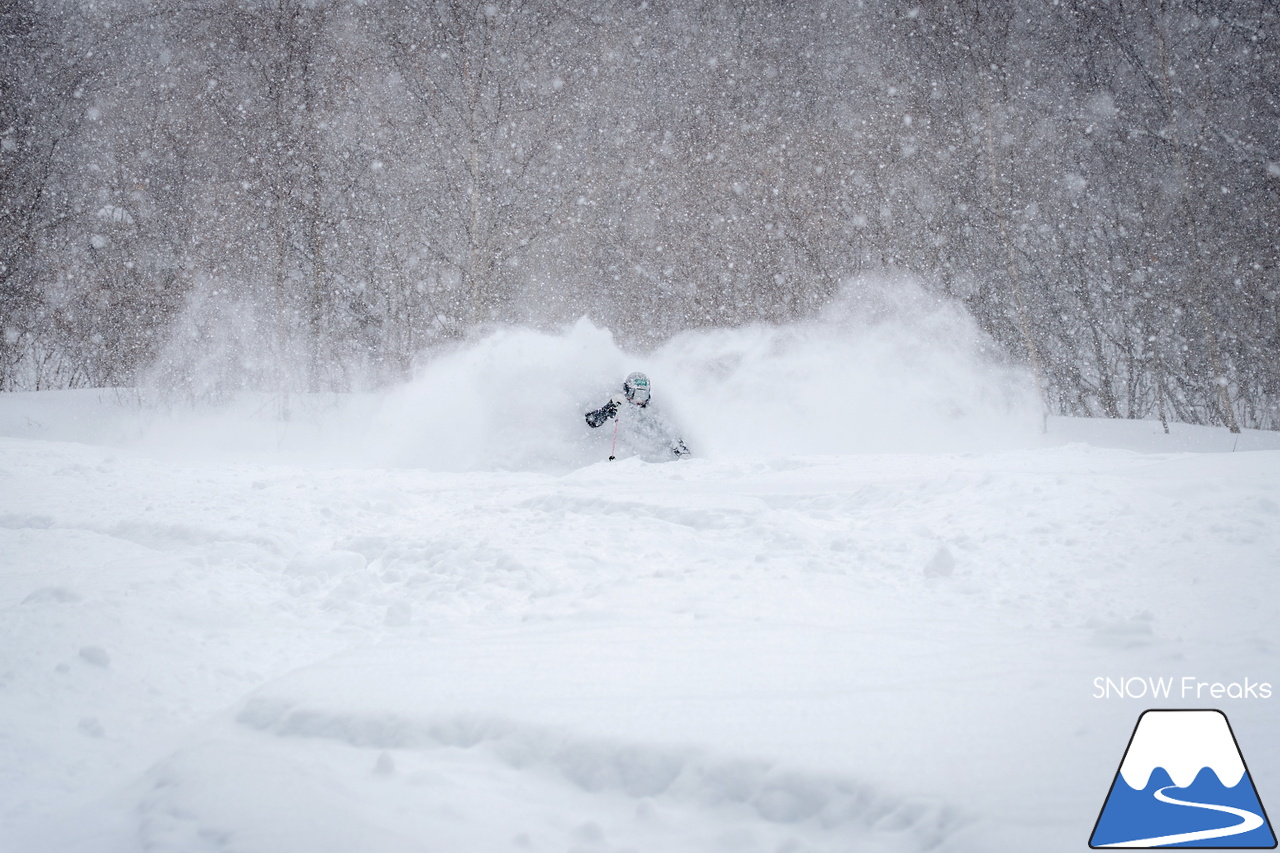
(225, 631)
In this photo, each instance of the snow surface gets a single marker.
(868, 615)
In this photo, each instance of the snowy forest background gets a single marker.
(214, 195)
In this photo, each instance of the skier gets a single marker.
(646, 432)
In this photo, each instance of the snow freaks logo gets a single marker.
(1183, 783)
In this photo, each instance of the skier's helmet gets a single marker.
(636, 387)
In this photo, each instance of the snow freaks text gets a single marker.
(1186, 687)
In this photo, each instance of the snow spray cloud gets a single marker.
(513, 400)
(887, 367)
(214, 349)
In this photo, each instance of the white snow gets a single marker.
(867, 615)
(1183, 743)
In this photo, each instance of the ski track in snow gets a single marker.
(883, 652)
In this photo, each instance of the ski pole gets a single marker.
(614, 448)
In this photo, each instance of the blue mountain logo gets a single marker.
(1183, 783)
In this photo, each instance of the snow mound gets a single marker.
(400, 747)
